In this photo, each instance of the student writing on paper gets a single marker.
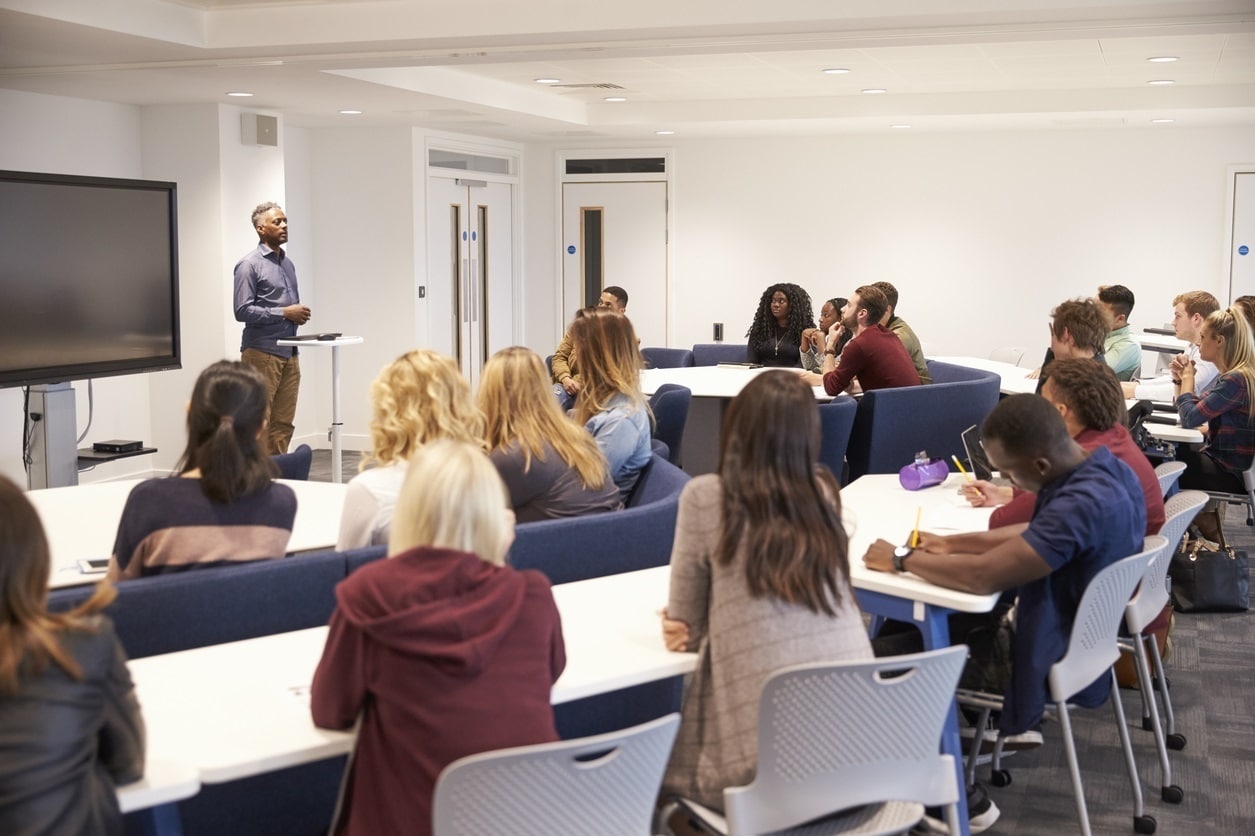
(441, 650)
(70, 727)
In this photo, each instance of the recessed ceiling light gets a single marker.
(1163, 59)
(835, 71)
(876, 90)
(1161, 82)
(1162, 121)
(616, 98)
(240, 94)
(547, 80)
(664, 133)
(899, 126)
(351, 112)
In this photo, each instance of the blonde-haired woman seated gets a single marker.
(418, 398)
(551, 467)
(441, 650)
(610, 404)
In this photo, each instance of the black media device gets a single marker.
(117, 445)
(88, 277)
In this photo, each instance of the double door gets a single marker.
(470, 269)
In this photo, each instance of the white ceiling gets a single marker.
(695, 67)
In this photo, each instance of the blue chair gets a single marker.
(296, 464)
(712, 354)
(892, 425)
(670, 405)
(593, 545)
(836, 420)
(667, 358)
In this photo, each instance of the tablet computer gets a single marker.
(976, 458)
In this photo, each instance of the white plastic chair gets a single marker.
(848, 747)
(607, 784)
(1168, 474)
(1247, 499)
(1151, 597)
(1007, 354)
(1092, 652)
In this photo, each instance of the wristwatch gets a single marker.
(900, 554)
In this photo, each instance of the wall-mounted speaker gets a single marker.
(257, 129)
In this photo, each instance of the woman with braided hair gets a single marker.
(775, 337)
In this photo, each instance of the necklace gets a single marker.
(779, 339)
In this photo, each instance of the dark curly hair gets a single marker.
(800, 315)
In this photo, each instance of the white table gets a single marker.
(81, 521)
(1162, 343)
(712, 387)
(334, 433)
(1015, 380)
(164, 783)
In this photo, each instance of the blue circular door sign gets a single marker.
(1243, 250)
(474, 235)
(464, 235)
(570, 250)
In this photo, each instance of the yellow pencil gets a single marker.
(962, 469)
(915, 534)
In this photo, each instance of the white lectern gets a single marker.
(334, 433)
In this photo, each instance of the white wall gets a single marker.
(982, 233)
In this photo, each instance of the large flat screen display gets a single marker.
(89, 279)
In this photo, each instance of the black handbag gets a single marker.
(1207, 580)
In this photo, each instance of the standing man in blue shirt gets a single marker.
(268, 302)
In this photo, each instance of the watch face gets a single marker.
(902, 551)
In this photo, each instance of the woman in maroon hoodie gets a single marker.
(441, 650)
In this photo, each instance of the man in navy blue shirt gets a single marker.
(268, 302)
(1090, 512)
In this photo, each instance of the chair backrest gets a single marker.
(842, 734)
(890, 426)
(667, 358)
(296, 464)
(1152, 592)
(836, 420)
(712, 354)
(1168, 474)
(1007, 354)
(1093, 648)
(670, 405)
(604, 784)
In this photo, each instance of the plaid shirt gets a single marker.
(1230, 426)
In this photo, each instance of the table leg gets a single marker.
(162, 820)
(935, 629)
(336, 474)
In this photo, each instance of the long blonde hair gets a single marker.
(1239, 347)
(518, 405)
(453, 498)
(417, 398)
(610, 361)
(29, 633)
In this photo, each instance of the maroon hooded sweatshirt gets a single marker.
(442, 655)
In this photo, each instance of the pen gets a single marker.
(915, 534)
(962, 469)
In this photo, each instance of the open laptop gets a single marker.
(976, 458)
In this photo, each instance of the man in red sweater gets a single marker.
(1088, 396)
(875, 358)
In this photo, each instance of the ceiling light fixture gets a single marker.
(1161, 82)
(899, 126)
(1162, 121)
(835, 71)
(876, 90)
(240, 94)
(664, 133)
(1163, 59)
(547, 80)
(616, 98)
(351, 112)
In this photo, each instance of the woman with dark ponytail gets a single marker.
(224, 505)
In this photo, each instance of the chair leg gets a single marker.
(1175, 741)
(1069, 747)
(977, 739)
(1168, 792)
(1142, 823)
